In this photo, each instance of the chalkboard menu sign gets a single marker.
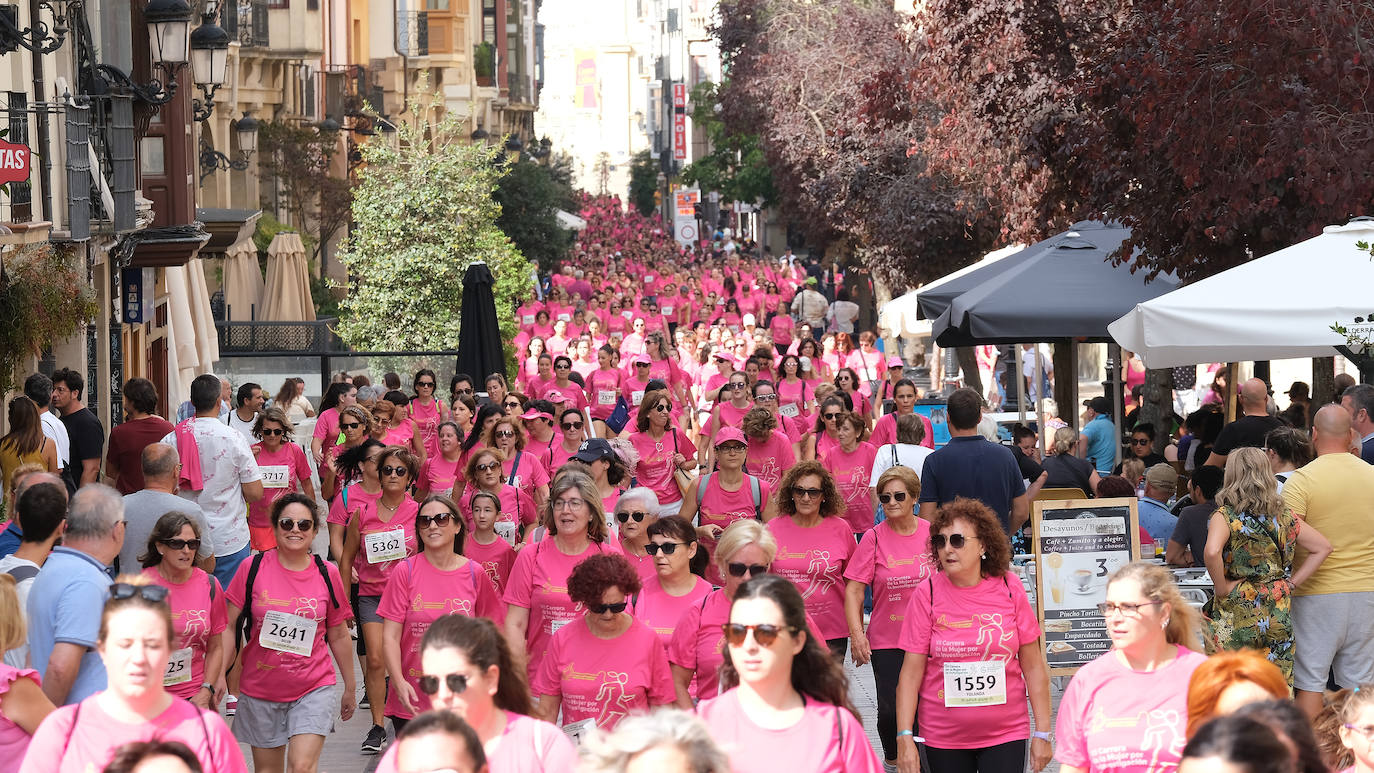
(1078, 543)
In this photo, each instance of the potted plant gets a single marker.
(484, 63)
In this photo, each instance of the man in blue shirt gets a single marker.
(1161, 481)
(69, 594)
(1099, 440)
(971, 466)
(13, 534)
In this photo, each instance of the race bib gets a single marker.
(667, 310)
(981, 683)
(178, 668)
(528, 319)
(627, 314)
(576, 731)
(565, 317)
(637, 397)
(790, 410)
(505, 530)
(275, 475)
(605, 397)
(385, 546)
(285, 632)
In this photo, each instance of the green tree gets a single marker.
(735, 166)
(643, 182)
(424, 210)
(530, 195)
(295, 161)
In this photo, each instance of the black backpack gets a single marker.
(243, 626)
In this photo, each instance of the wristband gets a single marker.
(1041, 735)
(207, 686)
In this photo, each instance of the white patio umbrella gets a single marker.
(1276, 307)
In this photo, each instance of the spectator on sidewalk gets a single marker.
(141, 427)
(1359, 401)
(1249, 430)
(1190, 533)
(38, 388)
(970, 466)
(1098, 441)
(83, 428)
(41, 511)
(1161, 481)
(142, 509)
(810, 307)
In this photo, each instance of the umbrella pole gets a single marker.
(1020, 383)
(1114, 378)
(1039, 381)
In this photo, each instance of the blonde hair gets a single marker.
(1157, 584)
(1065, 440)
(741, 533)
(906, 475)
(1249, 486)
(1133, 470)
(12, 630)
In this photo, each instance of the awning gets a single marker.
(570, 221)
(934, 297)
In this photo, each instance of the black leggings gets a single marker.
(1009, 757)
(397, 724)
(838, 647)
(887, 667)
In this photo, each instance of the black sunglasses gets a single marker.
(181, 544)
(798, 491)
(739, 569)
(396, 470)
(637, 515)
(457, 683)
(350, 425)
(601, 609)
(896, 496)
(442, 519)
(956, 541)
(269, 432)
(764, 634)
(573, 425)
(429, 384)
(668, 548)
(304, 524)
(663, 407)
(830, 416)
(513, 404)
(124, 590)
(462, 391)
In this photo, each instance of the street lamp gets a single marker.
(246, 131)
(209, 60)
(38, 36)
(169, 27)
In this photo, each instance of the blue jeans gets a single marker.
(227, 566)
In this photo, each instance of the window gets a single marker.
(21, 193)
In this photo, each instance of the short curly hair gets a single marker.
(470, 469)
(986, 527)
(830, 493)
(759, 424)
(591, 579)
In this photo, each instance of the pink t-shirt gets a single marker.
(279, 676)
(427, 418)
(527, 745)
(698, 642)
(721, 508)
(1115, 720)
(827, 739)
(438, 475)
(660, 611)
(643, 564)
(496, 559)
(632, 389)
(529, 476)
(327, 427)
(400, 435)
(198, 612)
(655, 468)
(13, 738)
(770, 459)
(357, 498)
(416, 595)
(282, 472)
(851, 472)
(987, 622)
(603, 387)
(539, 583)
(605, 679)
(885, 431)
(92, 737)
(373, 534)
(781, 326)
(814, 560)
(893, 565)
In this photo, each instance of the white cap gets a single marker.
(805, 363)
(748, 319)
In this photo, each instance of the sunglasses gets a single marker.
(956, 541)
(1140, 441)
(181, 544)
(663, 407)
(764, 634)
(513, 404)
(485, 466)
(805, 493)
(896, 496)
(637, 515)
(304, 524)
(463, 391)
(270, 432)
(562, 367)
(830, 416)
(601, 609)
(668, 548)
(425, 384)
(739, 570)
(442, 519)
(388, 469)
(737, 387)
(350, 425)
(573, 425)
(124, 590)
(457, 683)
(766, 398)
(504, 433)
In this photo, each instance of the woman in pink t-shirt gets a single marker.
(537, 598)
(521, 468)
(572, 427)
(892, 558)
(787, 705)
(284, 468)
(673, 588)
(814, 545)
(435, 582)
(662, 450)
(326, 434)
(771, 453)
(518, 511)
(904, 398)
(728, 494)
(795, 396)
(442, 472)
(605, 664)
(1127, 710)
(23, 705)
(358, 464)
(603, 387)
(484, 545)
(199, 615)
(428, 411)
(847, 381)
(378, 540)
(851, 465)
(968, 626)
(467, 668)
(630, 517)
(355, 422)
(529, 366)
(735, 401)
(135, 641)
(396, 425)
(822, 438)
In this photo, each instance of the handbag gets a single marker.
(620, 416)
(685, 483)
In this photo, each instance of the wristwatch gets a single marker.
(207, 686)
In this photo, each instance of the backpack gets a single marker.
(754, 489)
(243, 625)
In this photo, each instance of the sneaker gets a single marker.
(231, 705)
(376, 737)
(363, 702)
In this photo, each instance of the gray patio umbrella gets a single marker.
(479, 338)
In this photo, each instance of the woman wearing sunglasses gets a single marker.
(284, 469)
(731, 406)
(199, 615)
(814, 545)
(973, 615)
(537, 602)
(892, 558)
(358, 485)
(823, 437)
(520, 469)
(400, 428)
(1154, 652)
(447, 582)
(572, 392)
(673, 588)
(635, 511)
(847, 381)
(786, 705)
(850, 464)
(904, 400)
(728, 494)
(355, 422)
(427, 410)
(745, 549)
(441, 473)
(607, 664)
(484, 474)
(572, 425)
(662, 449)
(135, 642)
(379, 538)
(467, 668)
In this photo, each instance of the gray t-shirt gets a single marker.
(141, 510)
(19, 656)
(1191, 529)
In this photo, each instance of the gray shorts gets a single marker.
(269, 724)
(1334, 632)
(367, 609)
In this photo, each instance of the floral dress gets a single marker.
(1256, 613)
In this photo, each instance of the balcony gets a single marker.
(246, 22)
(412, 33)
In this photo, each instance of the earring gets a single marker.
(1166, 623)
(985, 554)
